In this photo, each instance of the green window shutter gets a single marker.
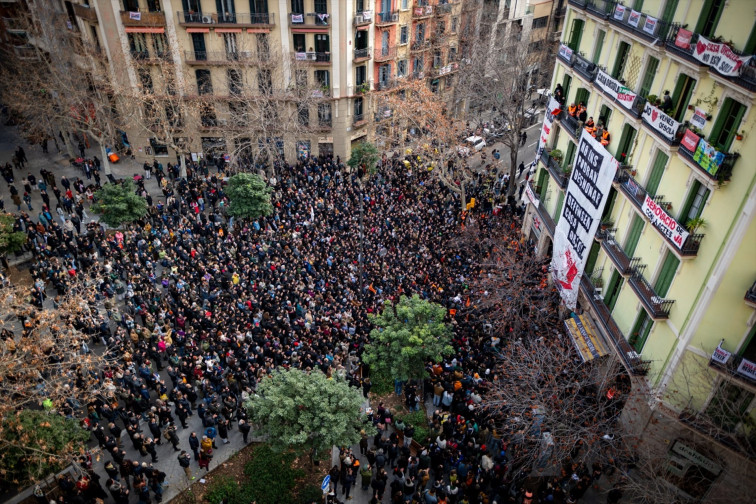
(750, 46)
(682, 94)
(641, 330)
(566, 85)
(599, 46)
(543, 182)
(728, 121)
(638, 5)
(558, 212)
(576, 34)
(570, 156)
(660, 162)
(648, 77)
(633, 236)
(605, 114)
(581, 96)
(625, 144)
(709, 17)
(609, 203)
(667, 274)
(620, 60)
(613, 290)
(748, 350)
(695, 202)
(590, 263)
(669, 11)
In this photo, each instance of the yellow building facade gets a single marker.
(670, 275)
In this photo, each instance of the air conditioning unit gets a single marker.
(359, 19)
(395, 17)
(207, 19)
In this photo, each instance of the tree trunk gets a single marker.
(512, 171)
(182, 171)
(105, 161)
(462, 197)
(69, 145)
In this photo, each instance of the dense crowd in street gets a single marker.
(200, 307)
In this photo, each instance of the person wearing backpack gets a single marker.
(185, 461)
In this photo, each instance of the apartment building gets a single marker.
(346, 47)
(669, 279)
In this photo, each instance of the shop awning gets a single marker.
(258, 30)
(198, 30)
(585, 337)
(145, 29)
(228, 30)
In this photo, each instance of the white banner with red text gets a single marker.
(664, 222)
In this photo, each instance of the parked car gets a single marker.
(471, 145)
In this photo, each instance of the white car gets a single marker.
(472, 144)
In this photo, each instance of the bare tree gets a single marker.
(61, 80)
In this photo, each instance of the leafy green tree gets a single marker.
(364, 155)
(307, 412)
(36, 443)
(10, 241)
(407, 335)
(249, 196)
(119, 203)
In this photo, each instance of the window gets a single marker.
(322, 43)
(540, 22)
(641, 329)
(138, 46)
(226, 10)
(361, 39)
(131, 5)
(237, 115)
(681, 96)
(234, 82)
(576, 33)
(434, 86)
(263, 46)
(198, 43)
(729, 405)
(403, 34)
(299, 42)
(360, 6)
(264, 81)
(418, 65)
(437, 59)
(570, 155)
(633, 236)
(229, 43)
(543, 183)
(709, 17)
(207, 116)
(581, 96)
(638, 5)
(694, 205)
(324, 114)
(145, 79)
(204, 83)
(420, 32)
(401, 68)
(300, 78)
(322, 78)
(558, 211)
(321, 6)
(566, 84)
(452, 54)
(360, 74)
(405, 4)
(297, 6)
(748, 350)
(358, 108)
(666, 275)
(621, 60)
(454, 24)
(258, 7)
(303, 114)
(625, 145)
(384, 74)
(599, 45)
(604, 115)
(648, 76)
(590, 263)
(728, 122)
(613, 290)
(657, 170)
(158, 149)
(670, 7)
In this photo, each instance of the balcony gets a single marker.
(216, 57)
(750, 296)
(310, 20)
(420, 45)
(359, 120)
(732, 365)
(555, 170)
(637, 195)
(444, 7)
(386, 84)
(313, 57)
(84, 12)
(360, 19)
(362, 54)
(570, 124)
(614, 251)
(719, 173)
(637, 25)
(584, 67)
(422, 11)
(707, 426)
(600, 8)
(386, 18)
(658, 308)
(145, 19)
(193, 18)
(384, 54)
(629, 356)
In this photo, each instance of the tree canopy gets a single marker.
(364, 155)
(307, 412)
(407, 335)
(10, 240)
(249, 196)
(119, 204)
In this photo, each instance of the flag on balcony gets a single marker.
(136, 16)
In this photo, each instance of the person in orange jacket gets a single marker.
(590, 126)
(572, 110)
(603, 135)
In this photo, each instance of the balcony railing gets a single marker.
(601, 8)
(264, 18)
(384, 53)
(721, 174)
(310, 19)
(614, 251)
(584, 67)
(656, 306)
(629, 356)
(217, 57)
(637, 25)
(386, 18)
(420, 45)
(385, 84)
(362, 54)
(313, 57)
(85, 12)
(145, 19)
(570, 124)
(360, 19)
(635, 192)
(750, 295)
(422, 11)
(358, 119)
(554, 169)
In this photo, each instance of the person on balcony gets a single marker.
(582, 113)
(572, 110)
(559, 94)
(603, 135)
(667, 104)
(590, 126)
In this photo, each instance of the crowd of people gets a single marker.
(200, 307)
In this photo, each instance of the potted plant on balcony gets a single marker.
(363, 88)
(694, 224)
(556, 155)
(739, 135)
(567, 170)
(606, 223)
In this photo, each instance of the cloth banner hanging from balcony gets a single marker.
(719, 56)
(548, 119)
(683, 38)
(720, 355)
(529, 196)
(615, 89)
(136, 16)
(619, 12)
(565, 52)
(699, 119)
(585, 337)
(747, 369)
(707, 157)
(650, 25)
(584, 202)
(660, 122)
(634, 18)
(367, 15)
(668, 226)
(297, 18)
